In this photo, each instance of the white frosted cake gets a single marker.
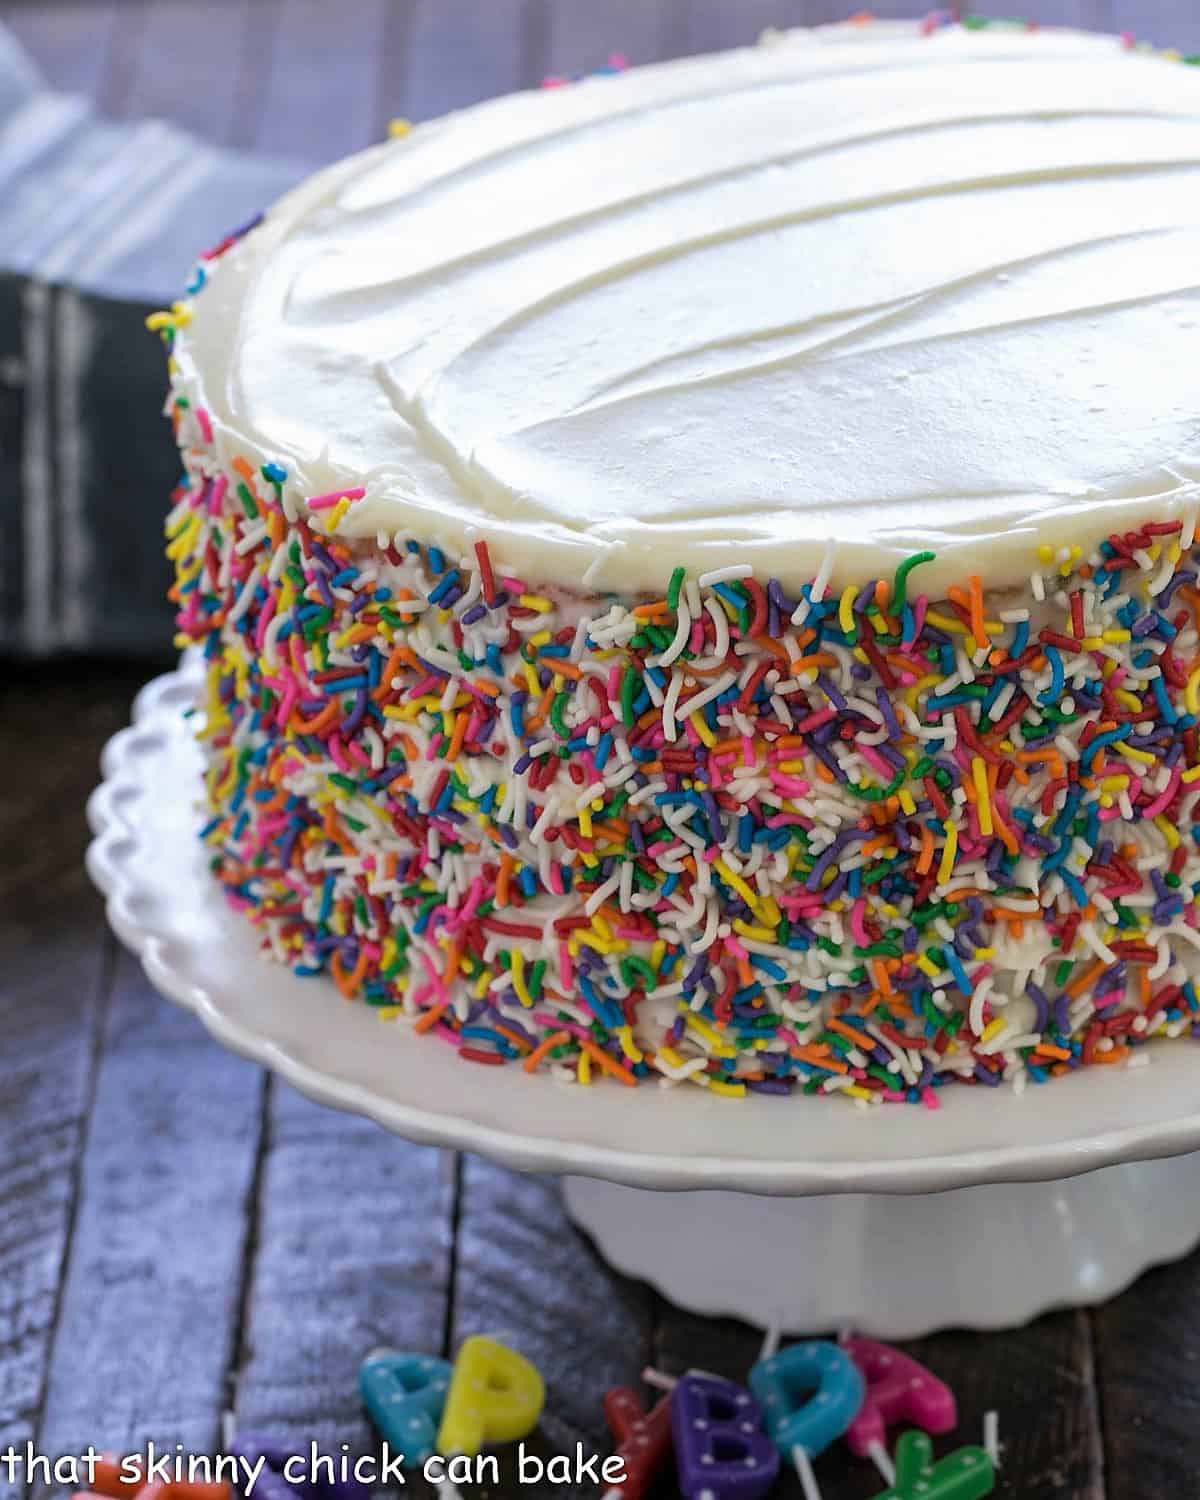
(696, 567)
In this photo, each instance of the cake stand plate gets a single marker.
(791, 1211)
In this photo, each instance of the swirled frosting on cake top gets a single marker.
(894, 291)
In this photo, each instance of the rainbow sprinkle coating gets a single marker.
(863, 842)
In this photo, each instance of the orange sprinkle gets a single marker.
(432, 1016)
(322, 721)
(394, 662)
(510, 1035)
(348, 983)
(504, 875)
(925, 858)
(1085, 980)
(859, 1038)
(610, 1065)
(458, 736)
(978, 623)
(820, 1057)
(547, 1044)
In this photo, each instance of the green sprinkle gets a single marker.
(629, 687)
(900, 582)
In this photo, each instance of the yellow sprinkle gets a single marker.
(990, 1030)
(1191, 774)
(1191, 693)
(748, 895)
(905, 798)
(389, 1012)
(159, 320)
(856, 1091)
(759, 934)
(713, 1037)
(1131, 753)
(333, 519)
(585, 820)
(657, 954)
(537, 602)
(946, 868)
(398, 129)
(531, 679)
(1045, 554)
(518, 979)
(584, 1068)
(706, 735)
(846, 608)
(730, 1090)
(628, 1046)
(927, 966)
(1115, 636)
(1168, 831)
(983, 803)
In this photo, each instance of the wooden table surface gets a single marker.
(181, 1234)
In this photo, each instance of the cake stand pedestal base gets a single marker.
(898, 1266)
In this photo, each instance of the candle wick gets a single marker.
(880, 1458)
(808, 1480)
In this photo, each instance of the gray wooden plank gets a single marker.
(186, 65)
(353, 1252)
(712, 24)
(259, 37)
(459, 51)
(1147, 1345)
(52, 959)
(318, 92)
(113, 88)
(68, 40)
(152, 1294)
(526, 1276)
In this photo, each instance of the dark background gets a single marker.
(181, 1234)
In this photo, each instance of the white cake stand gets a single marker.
(807, 1212)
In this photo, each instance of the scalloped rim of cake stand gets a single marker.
(163, 904)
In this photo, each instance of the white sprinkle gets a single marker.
(725, 575)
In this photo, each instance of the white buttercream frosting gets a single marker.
(890, 290)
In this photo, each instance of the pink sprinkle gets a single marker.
(1164, 799)
(266, 615)
(205, 424)
(857, 914)
(217, 494)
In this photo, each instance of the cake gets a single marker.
(695, 569)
